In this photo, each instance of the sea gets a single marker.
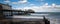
(53, 17)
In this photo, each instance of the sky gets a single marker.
(36, 5)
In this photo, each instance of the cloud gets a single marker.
(19, 2)
(7, 1)
(39, 0)
(18, 8)
(44, 8)
(46, 4)
(14, 3)
(35, 8)
(53, 4)
(32, 4)
(22, 1)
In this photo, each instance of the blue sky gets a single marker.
(30, 3)
(35, 2)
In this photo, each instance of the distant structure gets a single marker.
(6, 10)
(30, 11)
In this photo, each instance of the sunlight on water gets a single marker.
(39, 14)
(28, 17)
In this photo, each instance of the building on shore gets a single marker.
(5, 10)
